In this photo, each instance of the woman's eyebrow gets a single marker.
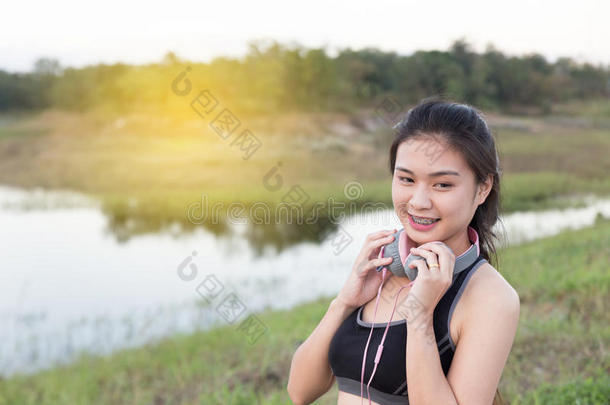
(435, 174)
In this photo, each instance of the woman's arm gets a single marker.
(427, 383)
(488, 333)
(482, 351)
(310, 372)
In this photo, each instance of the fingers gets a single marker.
(422, 269)
(439, 254)
(428, 255)
(383, 261)
(440, 248)
(373, 246)
(381, 241)
(445, 256)
(425, 272)
(376, 235)
(373, 264)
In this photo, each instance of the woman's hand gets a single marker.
(431, 283)
(363, 282)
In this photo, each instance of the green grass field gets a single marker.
(560, 355)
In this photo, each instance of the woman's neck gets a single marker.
(459, 243)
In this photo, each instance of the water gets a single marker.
(69, 285)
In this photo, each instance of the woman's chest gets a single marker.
(396, 309)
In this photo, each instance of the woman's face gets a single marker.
(450, 196)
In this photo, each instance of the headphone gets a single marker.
(399, 249)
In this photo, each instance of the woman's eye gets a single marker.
(404, 179)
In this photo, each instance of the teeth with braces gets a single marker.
(423, 221)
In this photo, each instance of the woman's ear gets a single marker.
(484, 189)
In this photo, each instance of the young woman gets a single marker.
(445, 169)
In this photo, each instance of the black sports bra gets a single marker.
(389, 385)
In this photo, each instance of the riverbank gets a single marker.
(559, 356)
(151, 168)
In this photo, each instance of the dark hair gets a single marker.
(464, 130)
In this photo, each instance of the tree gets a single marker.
(47, 67)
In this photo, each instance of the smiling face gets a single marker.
(453, 196)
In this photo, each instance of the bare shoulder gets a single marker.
(487, 286)
(485, 291)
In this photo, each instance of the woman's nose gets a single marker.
(420, 199)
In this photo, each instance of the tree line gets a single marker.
(273, 77)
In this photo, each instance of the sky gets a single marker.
(81, 33)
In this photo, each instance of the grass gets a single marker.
(559, 355)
